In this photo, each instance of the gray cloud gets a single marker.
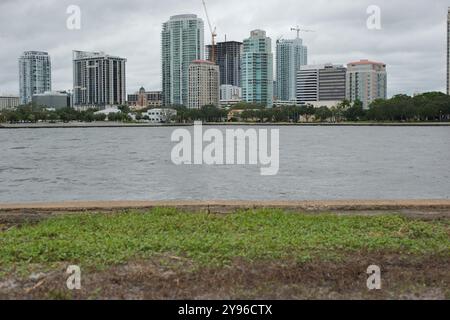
(412, 40)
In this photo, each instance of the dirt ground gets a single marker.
(170, 277)
(174, 278)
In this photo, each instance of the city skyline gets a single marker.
(391, 45)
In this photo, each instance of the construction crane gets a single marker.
(298, 29)
(212, 58)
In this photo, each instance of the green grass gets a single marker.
(100, 240)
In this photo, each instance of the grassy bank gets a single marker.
(102, 240)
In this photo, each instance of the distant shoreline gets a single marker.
(83, 125)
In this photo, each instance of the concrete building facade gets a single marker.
(257, 69)
(204, 84)
(35, 74)
(321, 84)
(182, 41)
(228, 56)
(9, 102)
(291, 55)
(366, 81)
(229, 92)
(99, 80)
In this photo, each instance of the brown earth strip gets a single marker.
(174, 278)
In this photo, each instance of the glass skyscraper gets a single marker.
(257, 69)
(35, 74)
(182, 41)
(291, 55)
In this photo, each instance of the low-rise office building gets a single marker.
(160, 115)
(53, 100)
(145, 99)
(321, 85)
(9, 102)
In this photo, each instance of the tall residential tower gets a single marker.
(257, 69)
(366, 81)
(291, 55)
(98, 80)
(182, 41)
(35, 75)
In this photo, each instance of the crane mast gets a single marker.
(212, 58)
(298, 29)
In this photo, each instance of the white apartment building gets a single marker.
(229, 92)
(35, 74)
(159, 115)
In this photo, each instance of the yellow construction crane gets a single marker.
(298, 29)
(212, 58)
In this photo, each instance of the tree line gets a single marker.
(432, 107)
(31, 114)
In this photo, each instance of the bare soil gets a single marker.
(174, 278)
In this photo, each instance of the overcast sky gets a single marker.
(412, 41)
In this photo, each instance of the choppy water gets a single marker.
(134, 164)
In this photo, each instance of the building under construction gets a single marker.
(228, 57)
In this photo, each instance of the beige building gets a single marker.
(204, 84)
(366, 81)
(144, 99)
(9, 102)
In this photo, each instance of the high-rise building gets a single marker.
(182, 41)
(35, 74)
(321, 84)
(98, 80)
(204, 84)
(448, 51)
(291, 55)
(366, 81)
(257, 69)
(228, 56)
